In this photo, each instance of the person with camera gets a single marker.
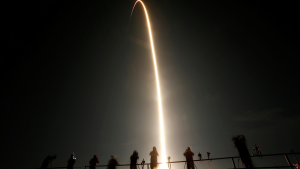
(189, 158)
(71, 162)
(133, 159)
(93, 162)
(153, 159)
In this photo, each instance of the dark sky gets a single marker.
(73, 79)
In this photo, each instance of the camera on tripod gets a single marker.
(208, 155)
(257, 150)
(74, 158)
(200, 156)
(169, 164)
(143, 163)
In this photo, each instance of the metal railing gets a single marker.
(210, 159)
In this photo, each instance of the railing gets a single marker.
(210, 159)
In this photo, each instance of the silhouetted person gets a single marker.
(93, 162)
(240, 143)
(153, 160)
(48, 160)
(112, 162)
(71, 162)
(133, 159)
(189, 158)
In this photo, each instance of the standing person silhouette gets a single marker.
(133, 159)
(153, 159)
(112, 162)
(93, 162)
(189, 158)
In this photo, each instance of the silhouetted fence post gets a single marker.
(233, 163)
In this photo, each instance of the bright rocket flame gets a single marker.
(161, 121)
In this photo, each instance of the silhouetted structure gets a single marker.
(48, 160)
(112, 162)
(71, 162)
(189, 158)
(240, 143)
(153, 154)
(133, 159)
(93, 162)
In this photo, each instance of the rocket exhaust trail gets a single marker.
(131, 14)
(161, 122)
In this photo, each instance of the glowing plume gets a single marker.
(161, 121)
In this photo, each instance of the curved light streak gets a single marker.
(161, 121)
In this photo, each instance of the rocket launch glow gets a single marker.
(161, 121)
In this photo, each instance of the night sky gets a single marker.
(74, 79)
